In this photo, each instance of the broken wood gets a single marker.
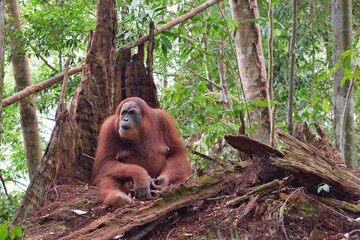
(251, 146)
(209, 158)
(315, 161)
(125, 220)
(249, 206)
(38, 87)
(260, 190)
(341, 205)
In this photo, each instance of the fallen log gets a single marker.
(123, 221)
(251, 146)
(314, 161)
(260, 190)
(310, 159)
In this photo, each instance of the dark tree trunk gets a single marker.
(2, 58)
(103, 85)
(75, 132)
(133, 79)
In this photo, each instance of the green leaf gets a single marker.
(3, 231)
(322, 77)
(18, 231)
(343, 80)
(323, 187)
(250, 129)
(356, 74)
(326, 188)
(326, 105)
(358, 44)
(346, 53)
(347, 63)
(164, 50)
(166, 41)
(201, 88)
(159, 8)
(315, 102)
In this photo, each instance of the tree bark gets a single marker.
(133, 79)
(251, 63)
(206, 64)
(290, 123)
(74, 136)
(314, 161)
(224, 93)
(20, 63)
(342, 39)
(38, 87)
(2, 59)
(273, 141)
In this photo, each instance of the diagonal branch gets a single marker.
(176, 21)
(38, 87)
(44, 60)
(4, 186)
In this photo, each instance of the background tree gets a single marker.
(22, 77)
(342, 40)
(2, 59)
(290, 126)
(185, 62)
(252, 65)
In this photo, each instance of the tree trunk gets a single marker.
(74, 137)
(273, 141)
(224, 92)
(134, 79)
(290, 123)
(206, 64)
(342, 39)
(314, 161)
(251, 64)
(20, 62)
(2, 59)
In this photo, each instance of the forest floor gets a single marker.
(288, 212)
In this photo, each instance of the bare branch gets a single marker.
(176, 21)
(63, 88)
(209, 158)
(44, 60)
(38, 87)
(5, 190)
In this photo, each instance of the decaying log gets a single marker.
(315, 161)
(311, 160)
(251, 146)
(125, 220)
(341, 205)
(260, 190)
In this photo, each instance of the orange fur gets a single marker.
(158, 152)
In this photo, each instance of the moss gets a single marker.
(58, 229)
(191, 190)
(286, 166)
(305, 209)
(84, 204)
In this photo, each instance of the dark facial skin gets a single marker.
(130, 123)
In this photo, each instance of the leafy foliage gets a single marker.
(184, 56)
(14, 233)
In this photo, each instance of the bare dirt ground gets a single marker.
(289, 212)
